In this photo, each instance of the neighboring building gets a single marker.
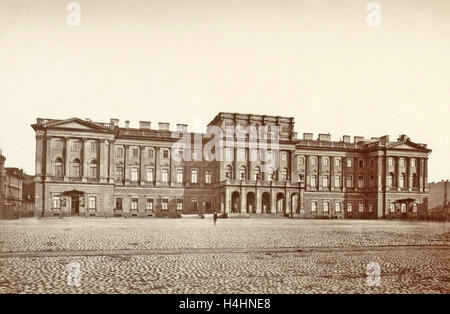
(12, 193)
(2, 184)
(438, 198)
(28, 194)
(92, 168)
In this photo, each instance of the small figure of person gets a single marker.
(215, 218)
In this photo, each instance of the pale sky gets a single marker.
(184, 61)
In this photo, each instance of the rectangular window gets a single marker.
(349, 163)
(370, 205)
(56, 202)
(392, 207)
(150, 153)
(283, 156)
(325, 181)
(134, 203)
(149, 174)
(300, 161)
(254, 155)
(194, 176)
(313, 207)
(165, 175)
(402, 162)
(337, 181)
(118, 204)
(415, 208)
(349, 207)
(338, 207)
(313, 180)
(229, 154)
(165, 154)
(361, 163)
(135, 152)
(76, 146)
(180, 205)
(165, 204)
(403, 208)
(207, 177)
(241, 154)
(349, 181)
(119, 173)
(325, 162)
(360, 182)
(180, 175)
(58, 145)
(326, 207)
(391, 162)
(93, 146)
(134, 173)
(194, 204)
(361, 207)
(92, 202)
(413, 163)
(313, 161)
(119, 152)
(337, 162)
(149, 204)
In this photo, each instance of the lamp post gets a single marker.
(256, 193)
(301, 181)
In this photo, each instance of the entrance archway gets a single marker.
(280, 203)
(265, 202)
(251, 208)
(235, 208)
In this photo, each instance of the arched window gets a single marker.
(228, 172)
(93, 168)
(402, 180)
(242, 173)
(391, 182)
(58, 167)
(256, 173)
(76, 168)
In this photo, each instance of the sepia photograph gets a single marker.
(224, 153)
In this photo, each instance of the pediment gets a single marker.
(407, 145)
(75, 123)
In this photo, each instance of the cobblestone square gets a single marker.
(256, 255)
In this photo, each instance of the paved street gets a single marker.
(237, 255)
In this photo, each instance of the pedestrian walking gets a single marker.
(215, 218)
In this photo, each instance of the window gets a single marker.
(119, 152)
(135, 152)
(283, 156)
(390, 161)
(165, 204)
(361, 163)
(360, 182)
(76, 146)
(349, 162)
(313, 180)
(414, 179)
(256, 173)
(413, 162)
(179, 204)
(93, 169)
(165, 153)
(134, 173)
(118, 204)
(284, 174)
(313, 161)
(149, 174)
(392, 207)
(325, 161)
(229, 154)
(300, 161)
(119, 173)
(349, 207)
(241, 155)
(93, 146)
(402, 180)
(194, 205)
(391, 180)
(326, 207)
(58, 167)
(402, 162)
(134, 203)
(194, 176)
(403, 207)
(372, 181)
(415, 208)
(56, 201)
(313, 207)
(361, 207)
(370, 206)
(149, 204)
(92, 202)
(242, 173)
(228, 172)
(165, 175)
(180, 175)
(254, 155)
(337, 181)
(337, 162)
(338, 207)
(58, 145)
(150, 153)
(207, 176)
(349, 181)
(76, 168)
(325, 181)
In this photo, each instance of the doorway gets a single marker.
(75, 209)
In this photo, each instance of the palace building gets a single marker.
(101, 169)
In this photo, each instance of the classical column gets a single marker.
(344, 174)
(227, 200)
(39, 156)
(258, 201)
(397, 172)
(141, 165)
(157, 174)
(111, 162)
(319, 173)
(103, 161)
(66, 159)
(332, 174)
(409, 173)
(48, 164)
(126, 157)
(85, 157)
(425, 175)
(306, 170)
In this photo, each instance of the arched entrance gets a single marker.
(251, 208)
(294, 203)
(235, 208)
(280, 203)
(265, 202)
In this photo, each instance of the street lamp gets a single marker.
(301, 181)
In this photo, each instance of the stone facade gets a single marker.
(101, 169)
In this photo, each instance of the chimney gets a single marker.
(357, 139)
(346, 138)
(87, 119)
(384, 139)
(145, 124)
(181, 127)
(402, 138)
(163, 126)
(308, 136)
(127, 124)
(324, 137)
(114, 122)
